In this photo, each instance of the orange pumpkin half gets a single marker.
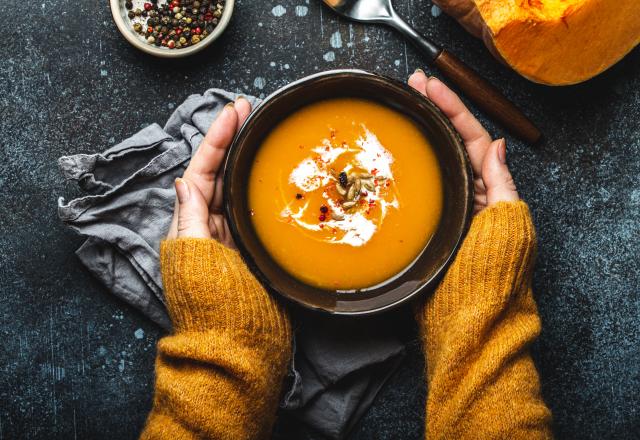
(554, 42)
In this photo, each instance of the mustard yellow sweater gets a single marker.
(220, 374)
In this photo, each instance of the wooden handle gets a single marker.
(487, 97)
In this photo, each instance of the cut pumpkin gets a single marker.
(555, 42)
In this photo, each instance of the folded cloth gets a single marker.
(338, 367)
(343, 363)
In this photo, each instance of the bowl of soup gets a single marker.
(348, 192)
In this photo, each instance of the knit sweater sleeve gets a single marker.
(219, 375)
(476, 330)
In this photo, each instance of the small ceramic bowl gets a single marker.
(426, 270)
(125, 27)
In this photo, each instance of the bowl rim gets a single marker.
(127, 32)
(246, 255)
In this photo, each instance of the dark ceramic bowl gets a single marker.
(422, 275)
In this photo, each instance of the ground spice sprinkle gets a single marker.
(175, 24)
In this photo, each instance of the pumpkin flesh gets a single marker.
(555, 42)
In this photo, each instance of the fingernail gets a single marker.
(419, 70)
(502, 151)
(230, 106)
(182, 190)
(241, 97)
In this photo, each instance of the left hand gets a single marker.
(199, 212)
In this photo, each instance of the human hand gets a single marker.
(493, 182)
(198, 212)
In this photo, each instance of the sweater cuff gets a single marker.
(503, 229)
(494, 261)
(208, 286)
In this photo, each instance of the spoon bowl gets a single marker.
(376, 11)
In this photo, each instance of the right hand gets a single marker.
(493, 182)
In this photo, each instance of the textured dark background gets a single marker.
(74, 363)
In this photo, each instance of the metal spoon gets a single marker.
(480, 91)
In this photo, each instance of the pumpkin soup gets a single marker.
(345, 193)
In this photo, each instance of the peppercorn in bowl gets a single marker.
(171, 28)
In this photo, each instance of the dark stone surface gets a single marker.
(75, 363)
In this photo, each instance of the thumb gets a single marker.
(496, 175)
(193, 212)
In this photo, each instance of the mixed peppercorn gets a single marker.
(323, 213)
(175, 24)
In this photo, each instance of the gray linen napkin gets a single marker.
(339, 366)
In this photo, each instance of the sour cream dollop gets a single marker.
(314, 174)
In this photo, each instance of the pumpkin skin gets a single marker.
(553, 42)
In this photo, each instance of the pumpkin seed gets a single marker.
(358, 185)
(348, 205)
(365, 176)
(337, 216)
(351, 194)
(341, 190)
(368, 185)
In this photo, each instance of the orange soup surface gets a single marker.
(345, 193)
